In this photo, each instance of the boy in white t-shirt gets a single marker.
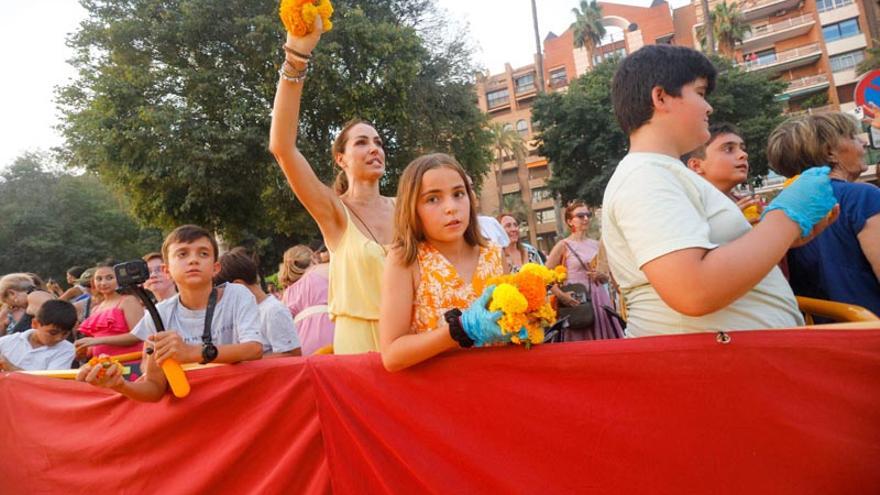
(43, 347)
(276, 322)
(191, 256)
(684, 255)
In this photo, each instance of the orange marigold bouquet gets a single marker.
(523, 301)
(298, 16)
(105, 362)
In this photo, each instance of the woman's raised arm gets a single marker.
(321, 202)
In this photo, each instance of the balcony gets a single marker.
(806, 85)
(789, 59)
(760, 9)
(767, 35)
(812, 111)
(766, 8)
(496, 104)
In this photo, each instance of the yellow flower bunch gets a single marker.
(522, 299)
(550, 276)
(298, 16)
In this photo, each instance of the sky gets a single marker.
(34, 55)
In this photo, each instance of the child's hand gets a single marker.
(170, 345)
(480, 324)
(110, 378)
(5, 365)
(85, 343)
(807, 200)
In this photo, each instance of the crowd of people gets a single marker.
(410, 276)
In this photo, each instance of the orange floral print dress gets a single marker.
(441, 289)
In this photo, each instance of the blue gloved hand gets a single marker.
(807, 200)
(480, 324)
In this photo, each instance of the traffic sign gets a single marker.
(868, 90)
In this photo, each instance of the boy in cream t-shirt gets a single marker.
(683, 254)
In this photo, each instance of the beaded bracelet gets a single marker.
(292, 74)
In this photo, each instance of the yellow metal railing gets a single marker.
(840, 312)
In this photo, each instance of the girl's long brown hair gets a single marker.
(408, 228)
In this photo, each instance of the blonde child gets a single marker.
(437, 267)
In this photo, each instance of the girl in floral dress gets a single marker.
(434, 287)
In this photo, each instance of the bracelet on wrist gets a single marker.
(456, 330)
(292, 51)
(290, 73)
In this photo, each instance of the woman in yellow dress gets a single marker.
(356, 240)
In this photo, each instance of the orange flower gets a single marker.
(532, 287)
(298, 16)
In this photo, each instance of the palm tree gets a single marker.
(708, 30)
(506, 142)
(729, 26)
(588, 28)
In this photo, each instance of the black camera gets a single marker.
(131, 273)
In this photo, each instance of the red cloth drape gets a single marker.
(769, 412)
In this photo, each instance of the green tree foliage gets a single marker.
(872, 59)
(583, 142)
(580, 136)
(172, 105)
(51, 221)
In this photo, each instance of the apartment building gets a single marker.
(813, 45)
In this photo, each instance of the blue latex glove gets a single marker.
(480, 324)
(807, 200)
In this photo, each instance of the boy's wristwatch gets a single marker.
(209, 353)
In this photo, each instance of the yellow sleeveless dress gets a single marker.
(441, 289)
(353, 297)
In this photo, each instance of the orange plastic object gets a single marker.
(837, 311)
(176, 378)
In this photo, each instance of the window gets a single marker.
(619, 53)
(766, 56)
(522, 128)
(508, 127)
(545, 216)
(846, 60)
(841, 30)
(541, 194)
(824, 5)
(558, 78)
(497, 98)
(525, 83)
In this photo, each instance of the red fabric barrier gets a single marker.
(770, 412)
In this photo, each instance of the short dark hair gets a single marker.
(153, 255)
(667, 66)
(59, 313)
(715, 130)
(76, 271)
(188, 234)
(237, 264)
